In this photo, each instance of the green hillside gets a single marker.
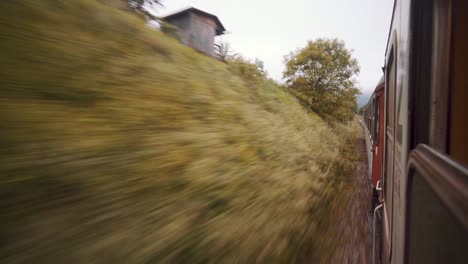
(120, 145)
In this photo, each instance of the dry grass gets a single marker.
(118, 144)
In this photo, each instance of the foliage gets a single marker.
(321, 76)
(251, 71)
(120, 145)
(140, 6)
(338, 192)
(361, 110)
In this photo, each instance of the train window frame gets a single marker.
(371, 127)
(447, 181)
(440, 77)
(388, 184)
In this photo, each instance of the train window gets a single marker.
(370, 117)
(372, 120)
(436, 226)
(436, 209)
(372, 114)
(376, 120)
(390, 83)
(430, 219)
(420, 84)
(399, 117)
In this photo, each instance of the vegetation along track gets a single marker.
(347, 237)
(119, 144)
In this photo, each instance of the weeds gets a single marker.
(118, 144)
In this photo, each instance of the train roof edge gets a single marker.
(380, 84)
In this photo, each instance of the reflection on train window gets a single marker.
(435, 235)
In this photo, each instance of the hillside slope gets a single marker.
(118, 144)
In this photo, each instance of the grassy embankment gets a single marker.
(118, 144)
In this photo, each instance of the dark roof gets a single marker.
(197, 11)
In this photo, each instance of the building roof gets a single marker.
(220, 30)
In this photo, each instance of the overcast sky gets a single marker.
(270, 29)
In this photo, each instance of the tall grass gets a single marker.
(118, 144)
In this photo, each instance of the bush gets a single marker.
(251, 72)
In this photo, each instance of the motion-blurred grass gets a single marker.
(120, 145)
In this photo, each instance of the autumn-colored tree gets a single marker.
(321, 76)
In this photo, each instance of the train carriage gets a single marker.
(420, 132)
(374, 122)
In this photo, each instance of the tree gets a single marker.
(260, 66)
(361, 110)
(223, 50)
(321, 76)
(140, 6)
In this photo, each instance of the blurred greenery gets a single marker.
(119, 144)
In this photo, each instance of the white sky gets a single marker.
(270, 29)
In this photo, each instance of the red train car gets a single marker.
(374, 123)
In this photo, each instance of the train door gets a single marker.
(437, 190)
(389, 157)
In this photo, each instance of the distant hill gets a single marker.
(364, 98)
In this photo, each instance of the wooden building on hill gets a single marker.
(197, 28)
